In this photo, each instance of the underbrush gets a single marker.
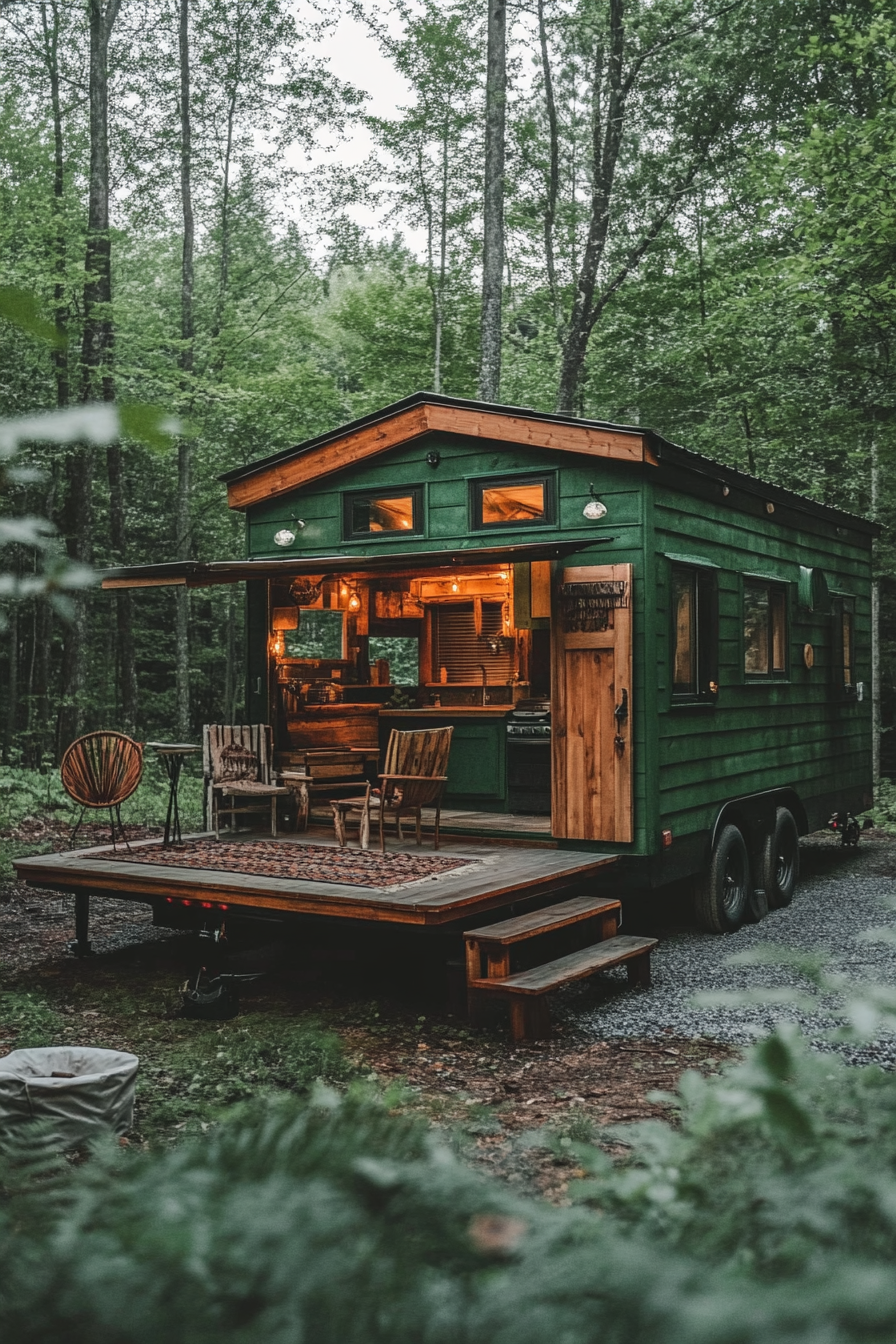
(766, 1216)
(26, 1020)
(223, 1065)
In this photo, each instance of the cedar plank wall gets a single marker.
(800, 731)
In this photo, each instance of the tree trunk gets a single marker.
(11, 640)
(875, 622)
(184, 540)
(97, 340)
(96, 353)
(60, 310)
(493, 205)
(553, 182)
(124, 600)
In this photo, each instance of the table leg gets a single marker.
(81, 946)
(172, 834)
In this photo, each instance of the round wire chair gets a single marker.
(102, 770)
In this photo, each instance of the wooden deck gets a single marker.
(497, 875)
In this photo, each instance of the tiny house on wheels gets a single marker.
(640, 651)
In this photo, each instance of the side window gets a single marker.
(518, 501)
(765, 629)
(844, 655)
(367, 514)
(695, 639)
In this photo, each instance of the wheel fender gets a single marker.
(754, 815)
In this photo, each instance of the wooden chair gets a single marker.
(323, 770)
(102, 770)
(236, 765)
(414, 778)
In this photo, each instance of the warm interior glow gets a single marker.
(382, 515)
(513, 503)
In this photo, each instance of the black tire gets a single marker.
(723, 892)
(781, 861)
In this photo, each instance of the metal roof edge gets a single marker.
(673, 454)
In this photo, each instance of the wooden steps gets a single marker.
(529, 1013)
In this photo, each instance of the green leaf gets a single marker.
(21, 307)
(151, 425)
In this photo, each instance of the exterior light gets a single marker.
(594, 509)
(286, 536)
(433, 459)
(455, 586)
(354, 602)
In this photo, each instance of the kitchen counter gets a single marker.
(449, 712)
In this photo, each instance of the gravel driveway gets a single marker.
(842, 892)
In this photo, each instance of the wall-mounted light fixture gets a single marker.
(594, 509)
(433, 459)
(286, 536)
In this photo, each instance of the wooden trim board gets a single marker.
(344, 451)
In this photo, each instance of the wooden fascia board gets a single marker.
(564, 436)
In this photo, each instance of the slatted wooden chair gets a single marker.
(101, 770)
(236, 765)
(414, 778)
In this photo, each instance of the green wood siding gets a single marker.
(800, 732)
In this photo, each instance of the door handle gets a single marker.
(620, 713)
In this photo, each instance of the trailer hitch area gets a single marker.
(848, 827)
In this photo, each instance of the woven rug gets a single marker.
(307, 863)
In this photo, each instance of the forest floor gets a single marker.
(331, 1012)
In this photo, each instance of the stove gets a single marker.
(528, 727)
(530, 720)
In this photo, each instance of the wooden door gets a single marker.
(591, 708)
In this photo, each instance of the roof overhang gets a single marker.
(426, 413)
(204, 574)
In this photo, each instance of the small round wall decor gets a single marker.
(808, 655)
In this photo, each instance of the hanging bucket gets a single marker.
(81, 1092)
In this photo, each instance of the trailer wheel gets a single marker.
(781, 860)
(724, 890)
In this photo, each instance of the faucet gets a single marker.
(484, 670)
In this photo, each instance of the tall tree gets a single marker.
(184, 451)
(431, 147)
(493, 203)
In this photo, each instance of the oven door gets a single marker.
(529, 775)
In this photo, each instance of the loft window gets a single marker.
(695, 640)
(520, 501)
(765, 629)
(368, 513)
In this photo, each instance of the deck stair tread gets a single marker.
(574, 966)
(543, 921)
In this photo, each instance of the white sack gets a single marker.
(98, 1099)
